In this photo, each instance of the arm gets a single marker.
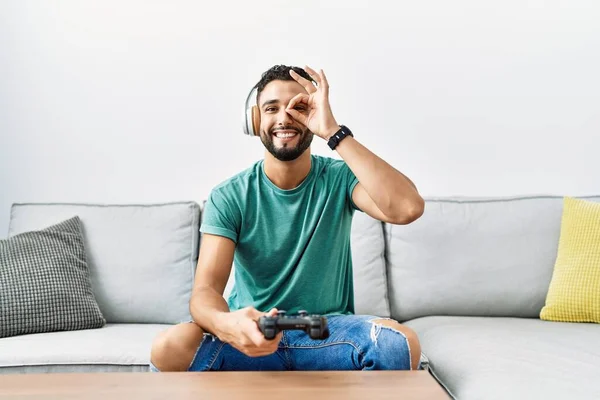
(207, 304)
(383, 192)
(210, 310)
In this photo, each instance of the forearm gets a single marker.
(391, 190)
(208, 308)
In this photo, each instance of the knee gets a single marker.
(401, 341)
(411, 337)
(161, 346)
(173, 349)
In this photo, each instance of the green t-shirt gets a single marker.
(292, 246)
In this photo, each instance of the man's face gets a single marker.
(285, 138)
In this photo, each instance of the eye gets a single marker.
(300, 108)
(269, 109)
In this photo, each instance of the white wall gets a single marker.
(141, 101)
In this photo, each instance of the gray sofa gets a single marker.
(470, 277)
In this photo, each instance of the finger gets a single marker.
(324, 83)
(297, 99)
(295, 114)
(260, 353)
(254, 314)
(308, 85)
(254, 352)
(270, 344)
(313, 74)
(273, 312)
(257, 338)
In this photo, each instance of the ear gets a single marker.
(256, 120)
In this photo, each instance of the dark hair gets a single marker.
(279, 72)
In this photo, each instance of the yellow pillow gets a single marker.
(574, 293)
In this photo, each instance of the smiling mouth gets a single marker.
(285, 134)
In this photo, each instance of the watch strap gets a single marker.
(337, 137)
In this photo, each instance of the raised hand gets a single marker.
(318, 117)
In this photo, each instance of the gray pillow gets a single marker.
(44, 282)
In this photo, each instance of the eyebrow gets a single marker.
(268, 102)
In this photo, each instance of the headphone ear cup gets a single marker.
(255, 121)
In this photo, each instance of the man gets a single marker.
(286, 223)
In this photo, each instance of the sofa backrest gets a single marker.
(464, 256)
(142, 258)
(367, 242)
(474, 257)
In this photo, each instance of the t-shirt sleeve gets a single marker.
(351, 181)
(218, 217)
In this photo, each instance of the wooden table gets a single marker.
(363, 385)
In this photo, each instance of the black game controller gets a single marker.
(314, 325)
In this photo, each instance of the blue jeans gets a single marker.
(354, 343)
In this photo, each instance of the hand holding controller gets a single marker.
(314, 325)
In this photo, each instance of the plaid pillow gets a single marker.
(44, 282)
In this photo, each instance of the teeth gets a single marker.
(285, 135)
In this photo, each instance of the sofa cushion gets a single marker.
(44, 282)
(574, 293)
(474, 257)
(113, 348)
(141, 257)
(512, 358)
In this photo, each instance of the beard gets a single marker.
(288, 152)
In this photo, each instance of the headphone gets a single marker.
(251, 115)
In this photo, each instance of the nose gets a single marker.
(283, 118)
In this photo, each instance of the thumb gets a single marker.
(298, 116)
(272, 312)
(253, 313)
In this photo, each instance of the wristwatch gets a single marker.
(339, 136)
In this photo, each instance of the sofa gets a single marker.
(470, 277)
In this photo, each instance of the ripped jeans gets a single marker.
(354, 343)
